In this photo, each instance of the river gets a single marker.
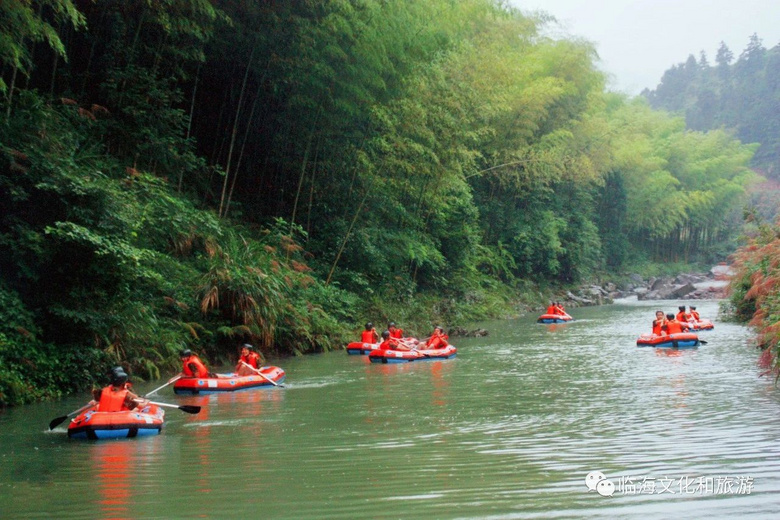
(508, 429)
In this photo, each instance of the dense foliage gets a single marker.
(741, 94)
(208, 173)
(754, 291)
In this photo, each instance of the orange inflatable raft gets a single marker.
(229, 382)
(678, 340)
(700, 325)
(92, 424)
(554, 318)
(405, 356)
(357, 348)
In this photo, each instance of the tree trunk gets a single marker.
(349, 232)
(303, 167)
(234, 131)
(189, 121)
(11, 94)
(243, 144)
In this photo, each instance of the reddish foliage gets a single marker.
(99, 110)
(86, 114)
(300, 267)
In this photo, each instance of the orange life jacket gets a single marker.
(673, 327)
(438, 341)
(112, 400)
(682, 316)
(695, 315)
(200, 368)
(551, 310)
(252, 359)
(658, 326)
(369, 336)
(397, 333)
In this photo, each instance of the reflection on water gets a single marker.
(508, 429)
(112, 463)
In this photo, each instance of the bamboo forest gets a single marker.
(201, 174)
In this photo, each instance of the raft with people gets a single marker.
(695, 326)
(676, 340)
(93, 424)
(554, 318)
(264, 377)
(406, 356)
(555, 313)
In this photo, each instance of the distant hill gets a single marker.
(743, 95)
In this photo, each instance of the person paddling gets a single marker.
(437, 340)
(673, 326)
(248, 357)
(394, 331)
(659, 323)
(391, 343)
(369, 335)
(682, 316)
(192, 366)
(117, 396)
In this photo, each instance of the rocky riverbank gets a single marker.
(691, 286)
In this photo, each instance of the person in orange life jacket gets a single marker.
(559, 309)
(659, 323)
(682, 316)
(395, 332)
(251, 358)
(391, 343)
(116, 397)
(674, 326)
(551, 309)
(192, 366)
(369, 335)
(438, 339)
(694, 313)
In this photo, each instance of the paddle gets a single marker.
(57, 421)
(184, 408)
(166, 384)
(253, 369)
(420, 352)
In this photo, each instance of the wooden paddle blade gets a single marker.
(56, 422)
(189, 409)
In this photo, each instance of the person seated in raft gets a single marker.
(551, 309)
(395, 332)
(559, 309)
(673, 326)
(192, 366)
(659, 324)
(369, 335)
(116, 397)
(251, 358)
(694, 313)
(437, 340)
(682, 316)
(391, 343)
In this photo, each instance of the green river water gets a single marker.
(508, 429)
